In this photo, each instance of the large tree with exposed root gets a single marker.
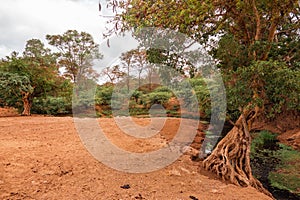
(255, 42)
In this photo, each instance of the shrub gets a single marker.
(158, 98)
(52, 106)
(104, 94)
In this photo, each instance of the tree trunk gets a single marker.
(230, 160)
(27, 103)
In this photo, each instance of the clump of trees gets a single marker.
(33, 80)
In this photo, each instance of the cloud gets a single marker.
(23, 20)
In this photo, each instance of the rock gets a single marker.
(139, 197)
(126, 186)
(185, 170)
(34, 183)
(192, 197)
(174, 172)
(187, 150)
(215, 191)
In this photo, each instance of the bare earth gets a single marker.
(43, 158)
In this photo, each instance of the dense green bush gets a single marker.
(157, 98)
(103, 94)
(136, 95)
(52, 106)
(163, 89)
(199, 91)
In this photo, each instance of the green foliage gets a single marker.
(83, 99)
(288, 182)
(276, 162)
(52, 106)
(158, 96)
(252, 30)
(105, 113)
(287, 175)
(270, 85)
(256, 44)
(136, 95)
(34, 74)
(135, 111)
(13, 84)
(163, 89)
(77, 53)
(200, 90)
(264, 154)
(231, 53)
(11, 87)
(264, 140)
(141, 100)
(104, 94)
(288, 154)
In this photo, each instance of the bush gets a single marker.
(136, 95)
(200, 89)
(52, 106)
(158, 98)
(103, 94)
(264, 140)
(162, 89)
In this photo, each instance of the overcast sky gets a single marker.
(21, 20)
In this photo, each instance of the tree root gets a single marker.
(230, 160)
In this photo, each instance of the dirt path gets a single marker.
(43, 158)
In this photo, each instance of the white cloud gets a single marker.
(21, 20)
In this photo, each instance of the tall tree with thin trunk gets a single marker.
(127, 62)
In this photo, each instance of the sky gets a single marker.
(22, 20)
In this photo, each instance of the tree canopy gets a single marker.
(256, 46)
(34, 74)
(77, 53)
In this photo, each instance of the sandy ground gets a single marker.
(44, 158)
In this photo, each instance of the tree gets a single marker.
(114, 73)
(34, 74)
(140, 58)
(18, 86)
(245, 34)
(134, 61)
(77, 53)
(128, 62)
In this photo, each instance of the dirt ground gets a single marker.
(43, 158)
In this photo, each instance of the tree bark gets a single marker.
(27, 103)
(230, 160)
